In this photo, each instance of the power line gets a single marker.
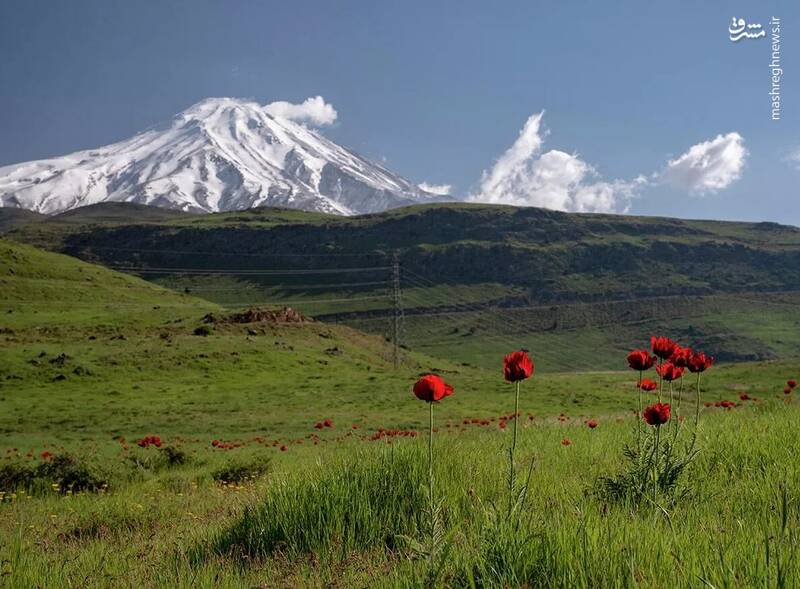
(237, 254)
(150, 285)
(255, 286)
(156, 304)
(470, 306)
(209, 271)
(397, 315)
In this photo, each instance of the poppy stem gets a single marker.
(672, 402)
(697, 404)
(638, 419)
(430, 487)
(512, 452)
(430, 455)
(696, 416)
(655, 463)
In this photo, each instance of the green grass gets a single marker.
(44, 291)
(342, 516)
(340, 506)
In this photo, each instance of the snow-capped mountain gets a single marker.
(221, 154)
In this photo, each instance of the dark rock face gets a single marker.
(284, 315)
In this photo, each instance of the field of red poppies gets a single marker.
(673, 471)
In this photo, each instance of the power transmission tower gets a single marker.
(397, 315)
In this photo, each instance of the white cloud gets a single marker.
(708, 167)
(442, 189)
(793, 159)
(524, 176)
(313, 110)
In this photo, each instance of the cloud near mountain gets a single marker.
(441, 189)
(555, 179)
(313, 110)
(526, 176)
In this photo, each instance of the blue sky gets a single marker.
(437, 90)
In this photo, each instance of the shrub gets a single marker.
(63, 472)
(203, 330)
(15, 475)
(239, 471)
(70, 474)
(174, 456)
(161, 458)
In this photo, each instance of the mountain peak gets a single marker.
(209, 106)
(220, 154)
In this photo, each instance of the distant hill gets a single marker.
(481, 277)
(13, 218)
(555, 256)
(117, 212)
(48, 290)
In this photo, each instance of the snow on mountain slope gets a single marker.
(221, 154)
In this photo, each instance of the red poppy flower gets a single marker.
(591, 423)
(566, 442)
(656, 414)
(431, 388)
(787, 390)
(700, 362)
(791, 383)
(669, 372)
(327, 423)
(662, 346)
(517, 366)
(148, 441)
(318, 425)
(284, 448)
(744, 397)
(680, 356)
(648, 385)
(502, 425)
(46, 455)
(640, 360)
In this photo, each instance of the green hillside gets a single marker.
(477, 278)
(89, 353)
(46, 290)
(92, 361)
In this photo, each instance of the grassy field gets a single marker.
(245, 491)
